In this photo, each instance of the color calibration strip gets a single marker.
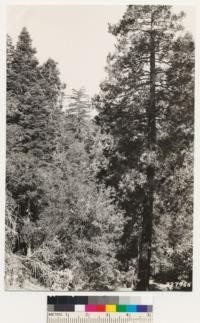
(114, 304)
(99, 309)
(104, 299)
(109, 308)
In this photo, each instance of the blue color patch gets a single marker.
(131, 308)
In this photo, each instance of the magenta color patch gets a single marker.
(90, 308)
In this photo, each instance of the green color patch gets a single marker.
(121, 308)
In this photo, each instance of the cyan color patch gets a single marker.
(131, 308)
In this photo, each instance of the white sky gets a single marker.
(75, 36)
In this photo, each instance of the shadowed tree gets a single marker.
(133, 105)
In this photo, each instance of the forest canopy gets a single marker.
(103, 202)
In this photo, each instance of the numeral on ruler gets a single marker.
(54, 317)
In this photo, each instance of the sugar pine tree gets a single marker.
(133, 104)
(78, 111)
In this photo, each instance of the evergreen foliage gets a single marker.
(146, 104)
(64, 225)
(103, 203)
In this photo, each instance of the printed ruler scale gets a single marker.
(99, 309)
(57, 317)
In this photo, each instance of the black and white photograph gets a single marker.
(99, 148)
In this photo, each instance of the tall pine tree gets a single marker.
(133, 105)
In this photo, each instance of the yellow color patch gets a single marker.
(110, 308)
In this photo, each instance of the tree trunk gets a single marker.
(29, 251)
(146, 235)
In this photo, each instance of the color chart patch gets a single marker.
(99, 309)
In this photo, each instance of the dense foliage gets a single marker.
(106, 202)
(62, 227)
(146, 104)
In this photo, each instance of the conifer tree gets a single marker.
(32, 110)
(133, 105)
(78, 111)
